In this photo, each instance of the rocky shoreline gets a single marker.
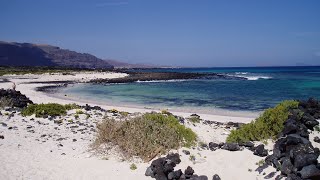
(162, 76)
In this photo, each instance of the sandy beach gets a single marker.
(38, 148)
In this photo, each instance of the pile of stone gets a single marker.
(257, 150)
(293, 153)
(163, 169)
(16, 99)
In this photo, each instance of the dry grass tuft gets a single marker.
(145, 136)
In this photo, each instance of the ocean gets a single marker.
(263, 87)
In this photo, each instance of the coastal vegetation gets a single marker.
(145, 136)
(5, 102)
(268, 125)
(50, 109)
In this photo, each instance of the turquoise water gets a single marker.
(263, 88)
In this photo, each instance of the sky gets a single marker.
(198, 33)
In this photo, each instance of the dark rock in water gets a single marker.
(216, 177)
(286, 166)
(231, 147)
(186, 152)
(213, 146)
(310, 172)
(1, 137)
(15, 97)
(316, 139)
(260, 151)
(270, 175)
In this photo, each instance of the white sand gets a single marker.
(25, 155)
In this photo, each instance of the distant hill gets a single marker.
(119, 64)
(26, 54)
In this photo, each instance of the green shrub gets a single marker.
(76, 116)
(71, 106)
(268, 125)
(194, 119)
(42, 110)
(133, 167)
(146, 135)
(79, 111)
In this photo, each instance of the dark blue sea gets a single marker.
(263, 87)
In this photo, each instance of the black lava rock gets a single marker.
(316, 139)
(231, 147)
(216, 177)
(17, 99)
(213, 146)
(260, 151)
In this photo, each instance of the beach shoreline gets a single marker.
(30, 83)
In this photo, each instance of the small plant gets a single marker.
(79, 111)
(113, 111)
(76, 116)
(194, 119)
(70, 121)
(164, 111)
(250, 170)
(260, 163)
(133, 166)
(317, 128)
(123, 113)
(6, 114)
(87, 116)
(71, 106)
(192, 157)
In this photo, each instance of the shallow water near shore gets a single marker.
(261, 89)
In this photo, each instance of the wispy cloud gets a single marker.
(111, 3)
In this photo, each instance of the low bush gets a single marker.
(145, 136)
(42, 110)
(268, 125)
(50, 109)
(71, 106)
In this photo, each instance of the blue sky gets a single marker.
(172, 32)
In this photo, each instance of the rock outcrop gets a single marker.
(14, 98)
(293, 153)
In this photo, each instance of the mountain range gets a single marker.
(27, 54)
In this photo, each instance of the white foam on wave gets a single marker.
(254, 78)
(248, 76)
(241, 73)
